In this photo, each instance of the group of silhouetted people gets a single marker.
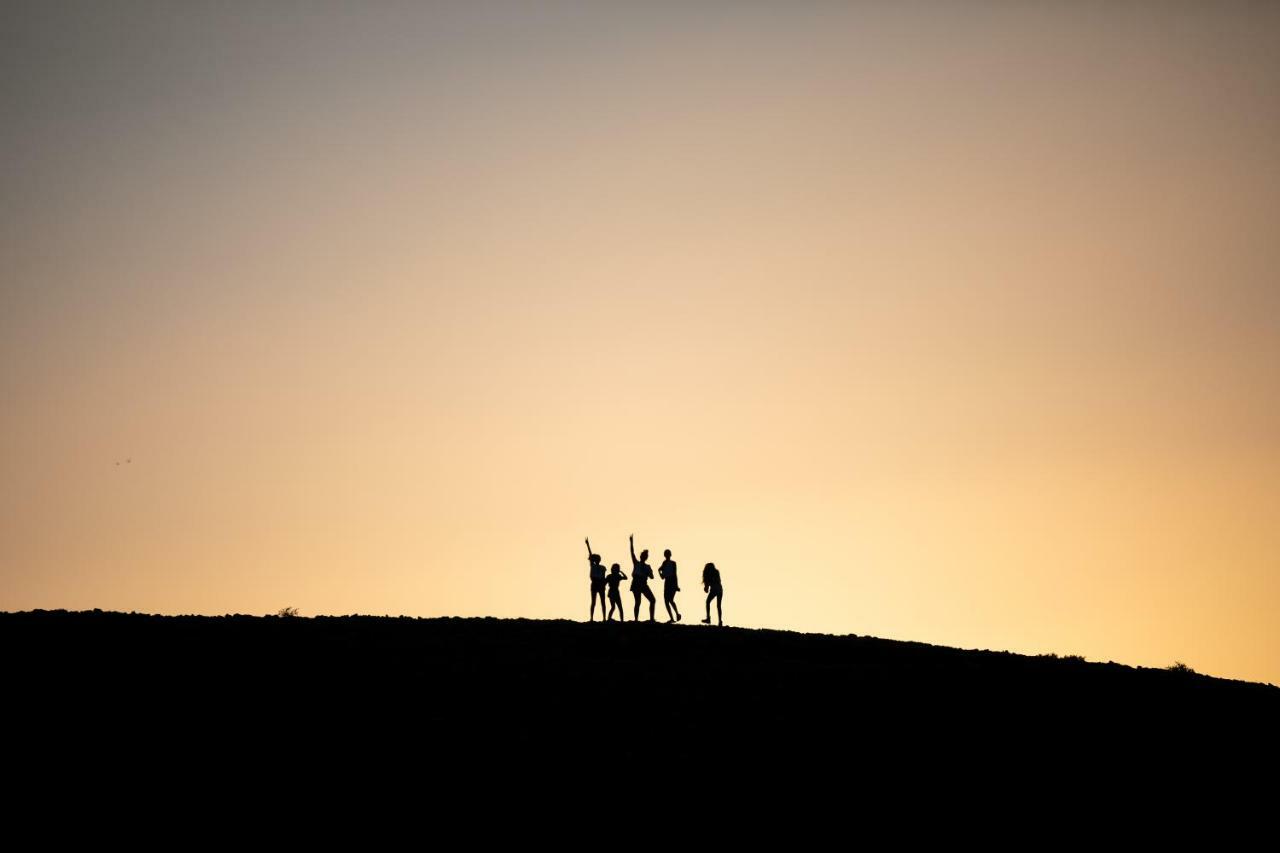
(641, 574)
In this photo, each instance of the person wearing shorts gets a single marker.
(670, 586)
(597, 583)
(614, 580)
(640, 574)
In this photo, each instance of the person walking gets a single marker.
(712, 587)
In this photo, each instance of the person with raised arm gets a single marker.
(640, 574)
(597, 582)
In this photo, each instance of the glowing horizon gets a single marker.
(953, 323)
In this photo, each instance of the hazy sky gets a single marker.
(952, 322)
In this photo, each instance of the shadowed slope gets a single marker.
(464, 689)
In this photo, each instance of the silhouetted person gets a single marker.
(711, 586)
(670, 586)
(597, 583)
(640, 574)
(615, 579)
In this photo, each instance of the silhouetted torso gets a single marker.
(667, 571)
(711, 578)
(640, 574)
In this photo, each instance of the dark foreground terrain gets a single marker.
(468, 692)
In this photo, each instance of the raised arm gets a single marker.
(632, 540)
(589, 551)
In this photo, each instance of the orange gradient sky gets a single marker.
(951, 322)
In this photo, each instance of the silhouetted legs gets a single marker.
(669, 599)
(615, 600)
(653, 602)
(718, 595)
(597, 593)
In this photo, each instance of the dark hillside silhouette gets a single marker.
(511, 691)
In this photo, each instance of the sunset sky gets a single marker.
(955, 322)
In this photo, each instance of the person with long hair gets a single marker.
(712, 587)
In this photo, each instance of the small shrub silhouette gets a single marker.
(1179, 666)
(287, 612)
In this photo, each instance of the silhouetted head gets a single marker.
(709, 566)
(644, 555)
(615, 568)
(667, 553)
(595, 558)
